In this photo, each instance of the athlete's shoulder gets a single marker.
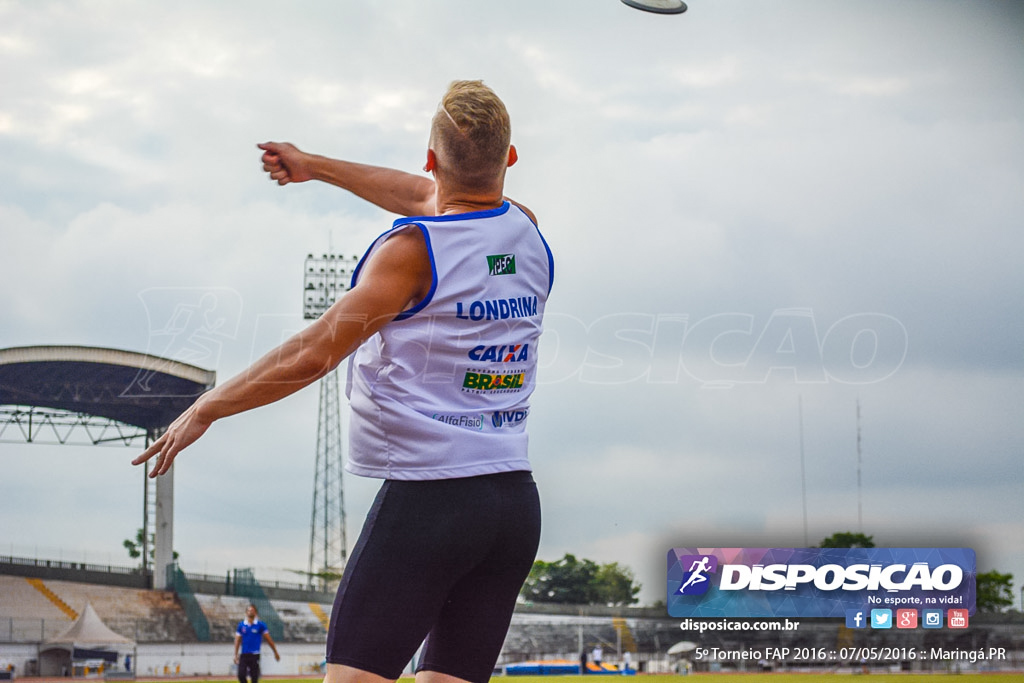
(529, 214)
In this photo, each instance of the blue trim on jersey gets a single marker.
(551, 257)
(485, 213)
(359, 266)
(433, 276)
(403, 223)
(418, 222)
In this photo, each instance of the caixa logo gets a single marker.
(508, 418)
(696, 580)
(503, 353)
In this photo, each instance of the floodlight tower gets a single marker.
(326, 278)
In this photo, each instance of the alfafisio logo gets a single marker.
(696, 580)
(501, 264)
(468, 421)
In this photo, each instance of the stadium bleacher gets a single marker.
(146, 616)
(18, 598)
(30, 614)
(224, 612)
(142, 615)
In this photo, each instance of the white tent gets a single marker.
(87, 638)
(682, 647)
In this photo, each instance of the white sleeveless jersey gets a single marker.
(443, 391)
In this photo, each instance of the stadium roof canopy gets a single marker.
(137, 389)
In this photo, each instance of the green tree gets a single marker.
(848, 539)
(572, 581)
(994, 591)
(616, 585)
(134, 547)
(565, 581)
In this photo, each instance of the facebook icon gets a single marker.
(855, 619)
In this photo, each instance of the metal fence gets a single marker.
(71, 566)
(22, 630)
(137, 577)
(35, 630)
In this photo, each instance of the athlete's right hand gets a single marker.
(286, 163)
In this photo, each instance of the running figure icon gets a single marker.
(696, 570)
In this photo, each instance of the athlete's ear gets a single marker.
(431, 161)
(513, 155)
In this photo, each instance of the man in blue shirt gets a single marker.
(249, 637)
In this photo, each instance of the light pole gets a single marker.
(326, 278)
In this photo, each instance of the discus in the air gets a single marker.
(658, 6)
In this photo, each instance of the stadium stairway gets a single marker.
(624, 634)
(142, 615)
(54, 598)
(223, 612)
(182, 588)
(245, 584)
(18, 597)
(844, 638)
(25, 614)
(321, 615)
(302, 622)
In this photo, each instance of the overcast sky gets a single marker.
(754, 207)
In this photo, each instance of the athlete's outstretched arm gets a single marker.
(396, 191)
(397, 275)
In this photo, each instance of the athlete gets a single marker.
(442, 323)
(249, 637)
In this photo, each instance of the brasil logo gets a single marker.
(485, 381)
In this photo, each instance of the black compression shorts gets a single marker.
(445, 558)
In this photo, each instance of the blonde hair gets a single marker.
(471, 133)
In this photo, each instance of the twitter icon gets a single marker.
(881, 618)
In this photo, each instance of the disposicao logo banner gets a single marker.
(817, 582)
